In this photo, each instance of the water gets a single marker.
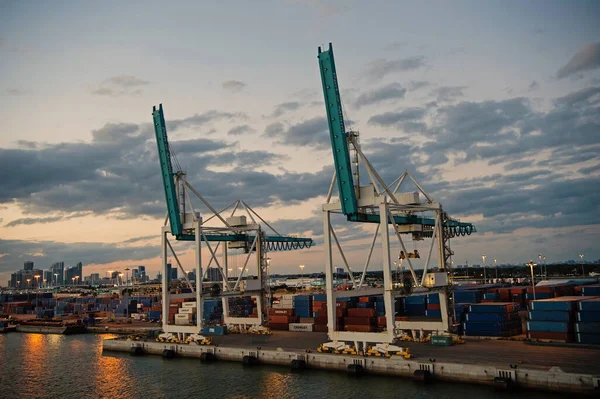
(57, 366)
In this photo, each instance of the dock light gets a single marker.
(531, 266)
(582, 271)
(37, 280)
(28, 280)
(55, 279)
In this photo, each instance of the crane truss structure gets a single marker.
(224, 229)
(382, 205)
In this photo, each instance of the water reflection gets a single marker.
(35, 359)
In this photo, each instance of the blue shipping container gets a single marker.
(566, 305)
(550, 326)
(591, 305)
(539, 315)
(588, 316)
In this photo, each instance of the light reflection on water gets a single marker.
(56, 366)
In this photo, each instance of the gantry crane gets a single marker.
(186, 224)
(379, 204)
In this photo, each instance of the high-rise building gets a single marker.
(74, 275)
(95, 278)
(28, 265)
(142, 273)
(135, 275)
(58, 273)
(171, 273)
(213, 274)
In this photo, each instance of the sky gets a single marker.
(493, 106)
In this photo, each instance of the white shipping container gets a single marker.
(187, 310)
(187, 317)
(188, 305)
(307, 327)
(181, 322)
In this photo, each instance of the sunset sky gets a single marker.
(493, 106)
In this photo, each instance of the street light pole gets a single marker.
(531, 265)
(496, 267)
(484, 271)
(582, 271)
(301, 277)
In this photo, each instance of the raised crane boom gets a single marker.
(170, 181)
(341, 157)
(164, 156)
(339, 142)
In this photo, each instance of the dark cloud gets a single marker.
(310, 133)
(117, 174)
(122, 85)
(240, 130)
(380, 68)
(416, 85)
(282, 108)
(533, 86)
(587, 58)
(448, 93)
(204, 118)
(518, 165)
(391, 92)
(47, 219)
(233, 86)
(408, 120)
(13, 91)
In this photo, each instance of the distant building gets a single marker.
(74, 275)
(340, 272)
(95, 278)
(213, 274)
(171, 273)
(58, 273)
(142, 273)
(28, 265)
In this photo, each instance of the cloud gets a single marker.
(448, 93)
(416, 85)
(240, 130)
(391, 92)
(310, 133)
(233, 86)
(380, 68)
(407, 119)
(121, 85)
(533, 86)
(13, 91)
(204, 118)
(117, 174)
(586, 59)
(47, 219)
(282, 108)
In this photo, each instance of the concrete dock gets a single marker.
(550, 368)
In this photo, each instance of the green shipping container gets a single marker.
(441, 340)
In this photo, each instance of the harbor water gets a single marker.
(59, 366)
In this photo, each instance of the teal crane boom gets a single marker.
(273, 242)
(341, 156)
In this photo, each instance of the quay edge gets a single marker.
(553, 380)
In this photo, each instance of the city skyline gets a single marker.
(497, 124)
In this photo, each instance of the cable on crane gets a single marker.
(287, 246)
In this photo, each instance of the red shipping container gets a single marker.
(358, 320)
(433, 306)
(320, 328)
(281, 312)
(341, 304)
(321, 320)
(361, 312)
(358, 328)
(279, 319)
(279, 326)
(401, 318)
(555, 336)
(364, 299)
(381, 321)
(340, 312)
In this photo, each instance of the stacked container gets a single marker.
(303, 305)
(553, 318)
(433, 306)
(492, 320)
(587, 327)
(591, 290)
(212, 311)
(280, 318)
(241, 306)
